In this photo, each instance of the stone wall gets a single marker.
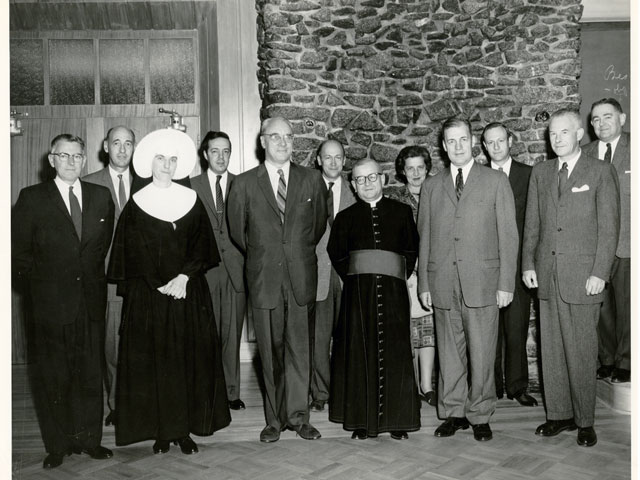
(380, 74)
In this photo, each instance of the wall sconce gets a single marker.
(15, 124)
(176, 120)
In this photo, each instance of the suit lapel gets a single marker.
(472, 180)
(56, 199)
(577, 175)
(293, 192)
(447, 184)
(87, 206)
(265, 185)
(553, 180)
(622, 152)
(106, 181)
(208, 195)
(345, 195)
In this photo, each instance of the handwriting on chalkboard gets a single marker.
(615, 78)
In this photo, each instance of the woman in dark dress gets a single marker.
(170, 381)
(412, 167)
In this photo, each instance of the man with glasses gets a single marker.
(118, 178)
(277, 213)
(226, 280)
(330, 160)
(374, 246)
(61, 232)
(467, 270)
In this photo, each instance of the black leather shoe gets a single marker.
(524, 399)
(604, 371)
(399, 435)
(110, 421)
(98, 453)
(161, 446)
(620, 375)
(270, 434)
(237, 404)
(317, 406)
(52, 460)
(187, 446)
(587, 437)
(482, 432)
(430, 398)
(359, 434)
(307, 431)
(450, 426)
(551, 428)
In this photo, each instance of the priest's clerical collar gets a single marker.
(168, 204)
(374, 203)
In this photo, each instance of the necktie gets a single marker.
(459, 184)
(330, 203)
(219, 199)
(563, 175)
(122, 195)
(76, 212)
(282, 194)
(500, 169)
(607, 154)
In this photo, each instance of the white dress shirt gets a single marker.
(63, 187)
(506, 168)
(274, 177)
(571, 162)
(213, 177)
(465, 171)
(602, 147)
(337, 190)
(126, 179)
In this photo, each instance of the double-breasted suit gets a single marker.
(327, 304)
(614, 327)
(114, 301)
(468, 251)
(66, 282)
(567, 239)
(281, 274)
(226, 284)
(514, 318)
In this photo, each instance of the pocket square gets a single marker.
(583, 188)
(627, 171)
(102, 219)
(308, 199)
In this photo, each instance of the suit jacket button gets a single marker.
(454, 262)
(553, 252)
(78, 278)
(559, 229)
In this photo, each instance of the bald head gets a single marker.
(119, 145)
(276, 137)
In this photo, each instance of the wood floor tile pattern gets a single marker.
(515, 453)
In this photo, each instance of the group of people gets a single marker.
(350, 290)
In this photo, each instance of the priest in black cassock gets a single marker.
(373, 247)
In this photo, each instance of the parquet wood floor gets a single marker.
(515, 453)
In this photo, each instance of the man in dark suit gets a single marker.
(277, 214)
(226, 280)
(466, 270)
(514, 318)
(61, 232)
(570, 238)
(118, 178)
(614, 328)
(330, 160)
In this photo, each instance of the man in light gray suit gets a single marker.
(614, 328)
(467, 269)
(226, 280)
(331, 161)
(570, 238)
(118, 178)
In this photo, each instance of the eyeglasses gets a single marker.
(77, 157)
(372, 177)
(277, 138)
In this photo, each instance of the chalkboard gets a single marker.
(606, 72)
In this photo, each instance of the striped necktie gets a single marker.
(219, 199)
(282, 194)
(330, 203)
(459, 184)
(607, 154)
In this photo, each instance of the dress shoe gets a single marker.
(52, 460)
(110, 421)
(317, 406)
(270, 434)
(359, 434)
(450, 426)
(524, 399)
(399, 435)
(161, 446)
(620, 375)
(551, 428)
(587, 437)
(237, 404)
(482, 432)
(187, 446)
(307, 431)
(97, 453)
(604, 371)
(430, 398)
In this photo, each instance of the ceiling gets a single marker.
(42, 15)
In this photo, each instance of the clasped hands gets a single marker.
(176, 288)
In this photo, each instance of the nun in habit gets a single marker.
(170, 381)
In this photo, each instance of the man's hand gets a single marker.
(530, 278)
(176, 288)
(425, 300)
(594, 285)
(503, 298)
